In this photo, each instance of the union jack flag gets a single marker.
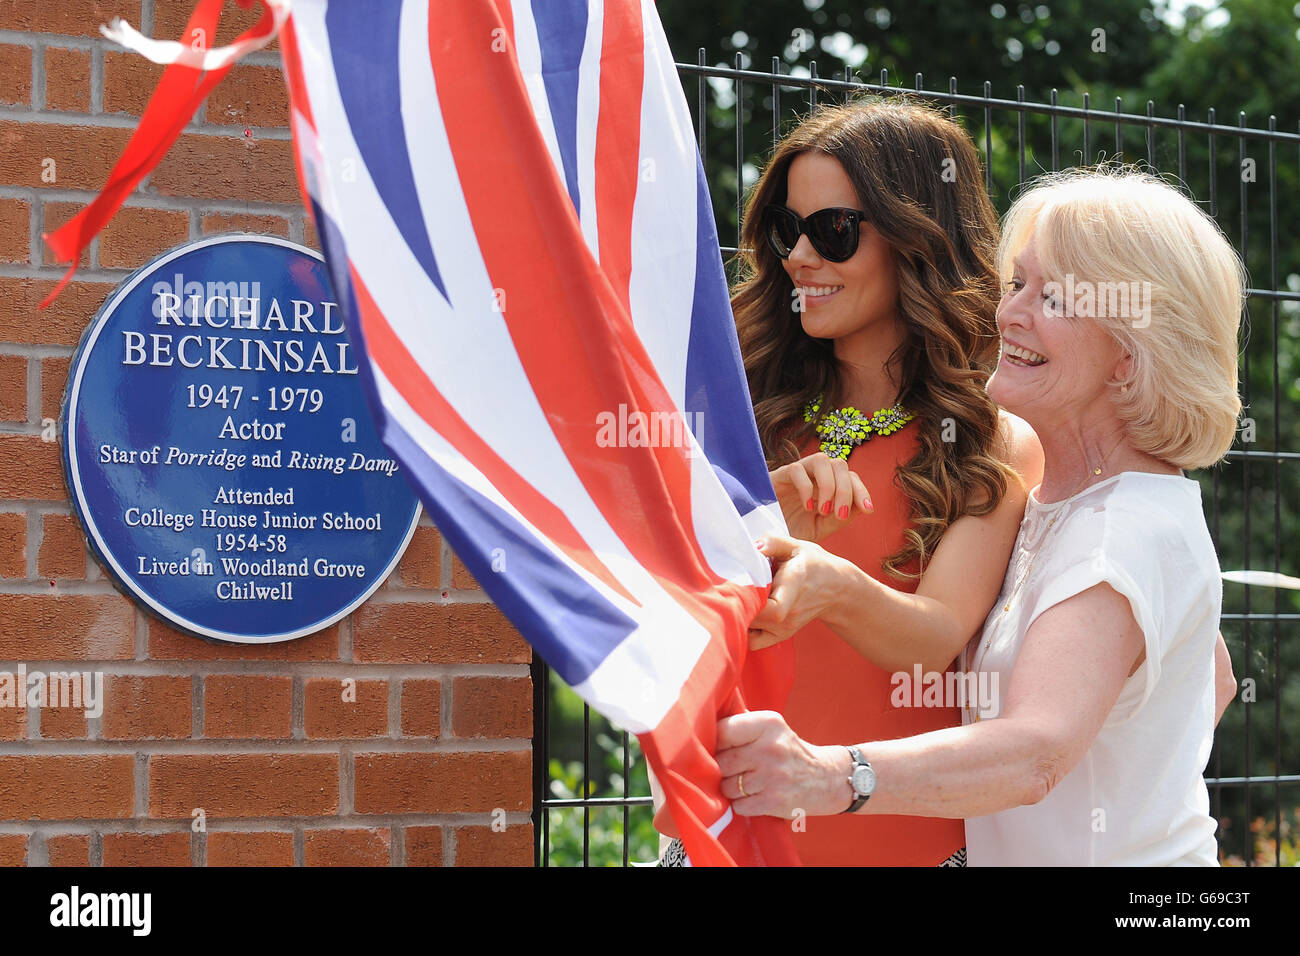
(518, 229)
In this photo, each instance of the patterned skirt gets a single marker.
(675, 855)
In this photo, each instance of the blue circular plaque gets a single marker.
(219, 449)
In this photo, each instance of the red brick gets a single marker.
(327, 714)
(30, 468)
(419, 564)
(140, 707)
(421, 708)
(310, 237)
(492, 707)
(170, 18)
(435, 633)
(147, 849)
(66, 627)
(424, 846)
(250, 96)
(13, 545)
(62, 323)
(169, 644)
(347, 847)
(68, 849)
(15, 220)
(70, 17)
(219, 167)
(243, 785)
(269, 848)
(129, 82)
(54, 215)
(138, 234)
(13, 849)
(67, 80)
(221, 222)
(13, 388)
(476, 782)
(461, 579)
(64, 723)
(247, 706)
(483, 846)
(83, 155)
(13, 722)
(63, 548)
(54, 382)
(15, 74)
(56, 787)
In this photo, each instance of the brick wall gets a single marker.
(431, 763)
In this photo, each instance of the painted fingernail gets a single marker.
(759, 545)
(867, 505)
(809, 505)
(826, 508)
(843, 512)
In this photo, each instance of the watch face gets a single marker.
(864, 780)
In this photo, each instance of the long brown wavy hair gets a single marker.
(920, 184)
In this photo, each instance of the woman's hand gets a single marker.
(806, 581)
(819, 495)
(767, 769)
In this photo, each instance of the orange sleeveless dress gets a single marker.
(841, 698)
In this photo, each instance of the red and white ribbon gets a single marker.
(192, 71)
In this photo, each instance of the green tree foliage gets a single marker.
(614, 768)
(1101, 45)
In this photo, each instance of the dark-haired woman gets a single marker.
(866, 320)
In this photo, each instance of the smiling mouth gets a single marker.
(815, 294)
(1015, 355)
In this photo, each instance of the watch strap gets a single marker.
(858, 799)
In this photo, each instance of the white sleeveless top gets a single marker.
(1137, 797)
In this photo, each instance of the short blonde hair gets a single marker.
(1109, 227)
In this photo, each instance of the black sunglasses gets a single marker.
(833, 232)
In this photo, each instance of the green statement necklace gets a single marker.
(846, 428)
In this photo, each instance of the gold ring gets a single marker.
(740, 782)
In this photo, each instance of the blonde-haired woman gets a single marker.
(1097, 663)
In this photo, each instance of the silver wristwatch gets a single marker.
(862, 780)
